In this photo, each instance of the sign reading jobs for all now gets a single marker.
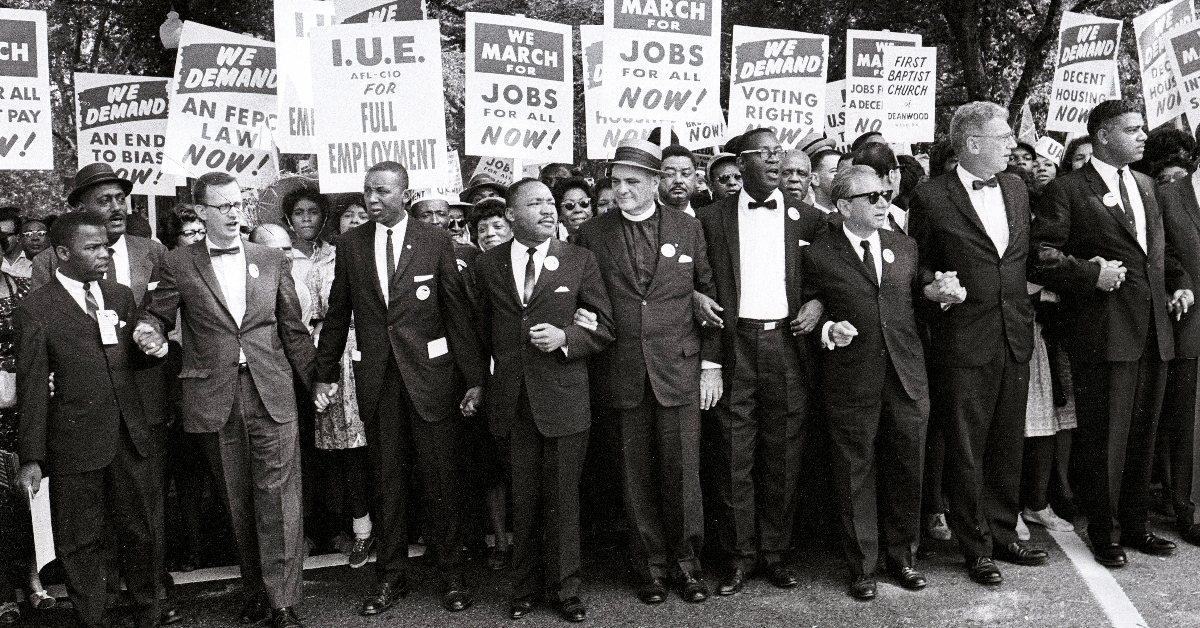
(25, 141)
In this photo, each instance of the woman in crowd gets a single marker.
(603, 195)
(1171, 169)
(1044, 171)
(1079, 152)
(574, 198)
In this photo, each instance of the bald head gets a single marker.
(272, 235)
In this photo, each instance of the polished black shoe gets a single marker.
(652, 591)
(254, 610)
(781, 576)
(284, 618)
(385, 597)
(455, 595)
(1191, 534)
(732, 584)
(691, 588)
(909, 578)
(572, 610)
(169, 615)
(1110, 555)
(984, 571)
(1018, 554)
(863, 588)
(520, 607)
(1149, 543)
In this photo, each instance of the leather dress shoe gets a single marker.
(169, 615)
(1110, 555)
(863, 587)
(385, 597)
(732, 584)
(781, 576)
(1191, 534)
(652, 591)
(984, 571)
(254, 610)
(520, 607)
(572, 610)
(1018, 554)
(909, 578)
(455, 595)
(1149, 543)
(692, 588)
(284, 618)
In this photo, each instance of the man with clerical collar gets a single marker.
(653, 259)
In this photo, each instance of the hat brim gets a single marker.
(465, 195)
(632, 164)
(126, 185)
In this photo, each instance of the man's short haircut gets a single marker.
(393, 167)
(861, 140)
(676, 150)
(843, 183)
(510, 198)
(209, 180)
(1027, 148)
(63, 231)
(878, 157)
(1108, 110)
(824, 154)
(969, 118)
(744, 140)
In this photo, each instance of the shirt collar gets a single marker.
(854, 239)
(71, 284)
(967, 177)
(120, 245)
(641, 217)
(237, 244)
(1106, 170)
(542, 249)
(744, 199)
(381, 230)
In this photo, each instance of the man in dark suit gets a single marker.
(652, 260)
(972, 228)
(243, 338)
(1178, 425)
(754, 240)
(537, 398)
(92, 440)
(397, 279)
(873, 382)
(1101, 247)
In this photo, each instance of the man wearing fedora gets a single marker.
(652, 259)
(482, 186)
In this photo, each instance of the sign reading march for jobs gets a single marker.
(382, 100)
(1085, 71)
(865, 82)
(122, 121)
(778, 81)
(519, 95)
(25, 142)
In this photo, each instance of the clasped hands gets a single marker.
(945, 288)
(1112, 273)
(147, 338)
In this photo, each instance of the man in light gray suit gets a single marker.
(242, 338)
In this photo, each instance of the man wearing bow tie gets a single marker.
(972, 228)
(754, 240)
(238, 307)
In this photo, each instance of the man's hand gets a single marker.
(707, 310)
(586, 319)
(945, 288)
(149, 340)
(324, 395)
(471, 401)
(30, 477)
(806, 319)
(841, 333)
(1180, 302)
(712, 386)
(1112, 274)
(547, 337)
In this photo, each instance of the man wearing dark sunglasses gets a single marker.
(724, 177)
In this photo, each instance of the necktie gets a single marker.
(769, 204)
(89, 301)
(527, 291)
(1124, 192)
(219, 252)
(111, 271)
(390, 258)
(869, 260)
(979, 184)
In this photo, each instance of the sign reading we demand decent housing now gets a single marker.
(1085, 71)
(122, 121)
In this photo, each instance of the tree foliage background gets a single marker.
(999, 50)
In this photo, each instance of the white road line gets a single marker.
(1116, 605)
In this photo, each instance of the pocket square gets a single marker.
(804, 243)
(562, 289)
(152, 285)
(685, 259)
(420, 278)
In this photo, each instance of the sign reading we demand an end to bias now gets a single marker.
(222, 108)
(778, 81)
(1085, 70)
(122, 121)
(520, 100)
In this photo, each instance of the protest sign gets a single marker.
(1085, 70)
(1026, 128)
(498, 169)
(222, 107)
(294, 20)
(1050, 149)
(835, 111)
(777, 80)
(865, 83)
(1183, 44)
(364, 11)
(122, 121)
(452, 185)
(910, 82)
(520, 99)
(383, 101)
(663, 59)
(25, 141)
(1160, 91)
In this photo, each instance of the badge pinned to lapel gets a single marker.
(889, 256)
(1110, 200)
(253, 270)
(551, 263)
(422, 293)
(793, 213)
(668, 250)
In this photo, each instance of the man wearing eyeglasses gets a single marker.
(754, 240)
(678, 181)
(243, 337)
(972, 227)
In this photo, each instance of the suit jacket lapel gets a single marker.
(791, 249)
(71, 307)
(255, 257)
(667, 228)
(539, 286)
(614, 239)
(888, 275)
(412, 239)
(1010, 211)
(1100, 188)
(203, 264)
(1188, 191)
(506, 269)
(962, 200)
(847, 250)
(139, 266)
(729, 218)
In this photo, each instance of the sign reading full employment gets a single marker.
(382, 101)
(294, 20)
(519, 96)
(865, 82)
(222, 112)
(1085, 71)
(910, 76)
(364, 11)
(122, 121)
(777, 80)
(662, 59)
(1183, 44)
(1159, 87)
(25, 141)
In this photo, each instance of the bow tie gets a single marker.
(219, 252)
(769, 204)
(978, 184)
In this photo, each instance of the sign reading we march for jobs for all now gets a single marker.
(25, 141)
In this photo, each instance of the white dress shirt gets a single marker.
(856, 245)
(75, 289)
(120, 262)
(1108, 172)
(21, 267)
(899, 215)
(988, 202)
(689, 211)
(231, 275)
(519, 255)
(381, 237)
(761, 259)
